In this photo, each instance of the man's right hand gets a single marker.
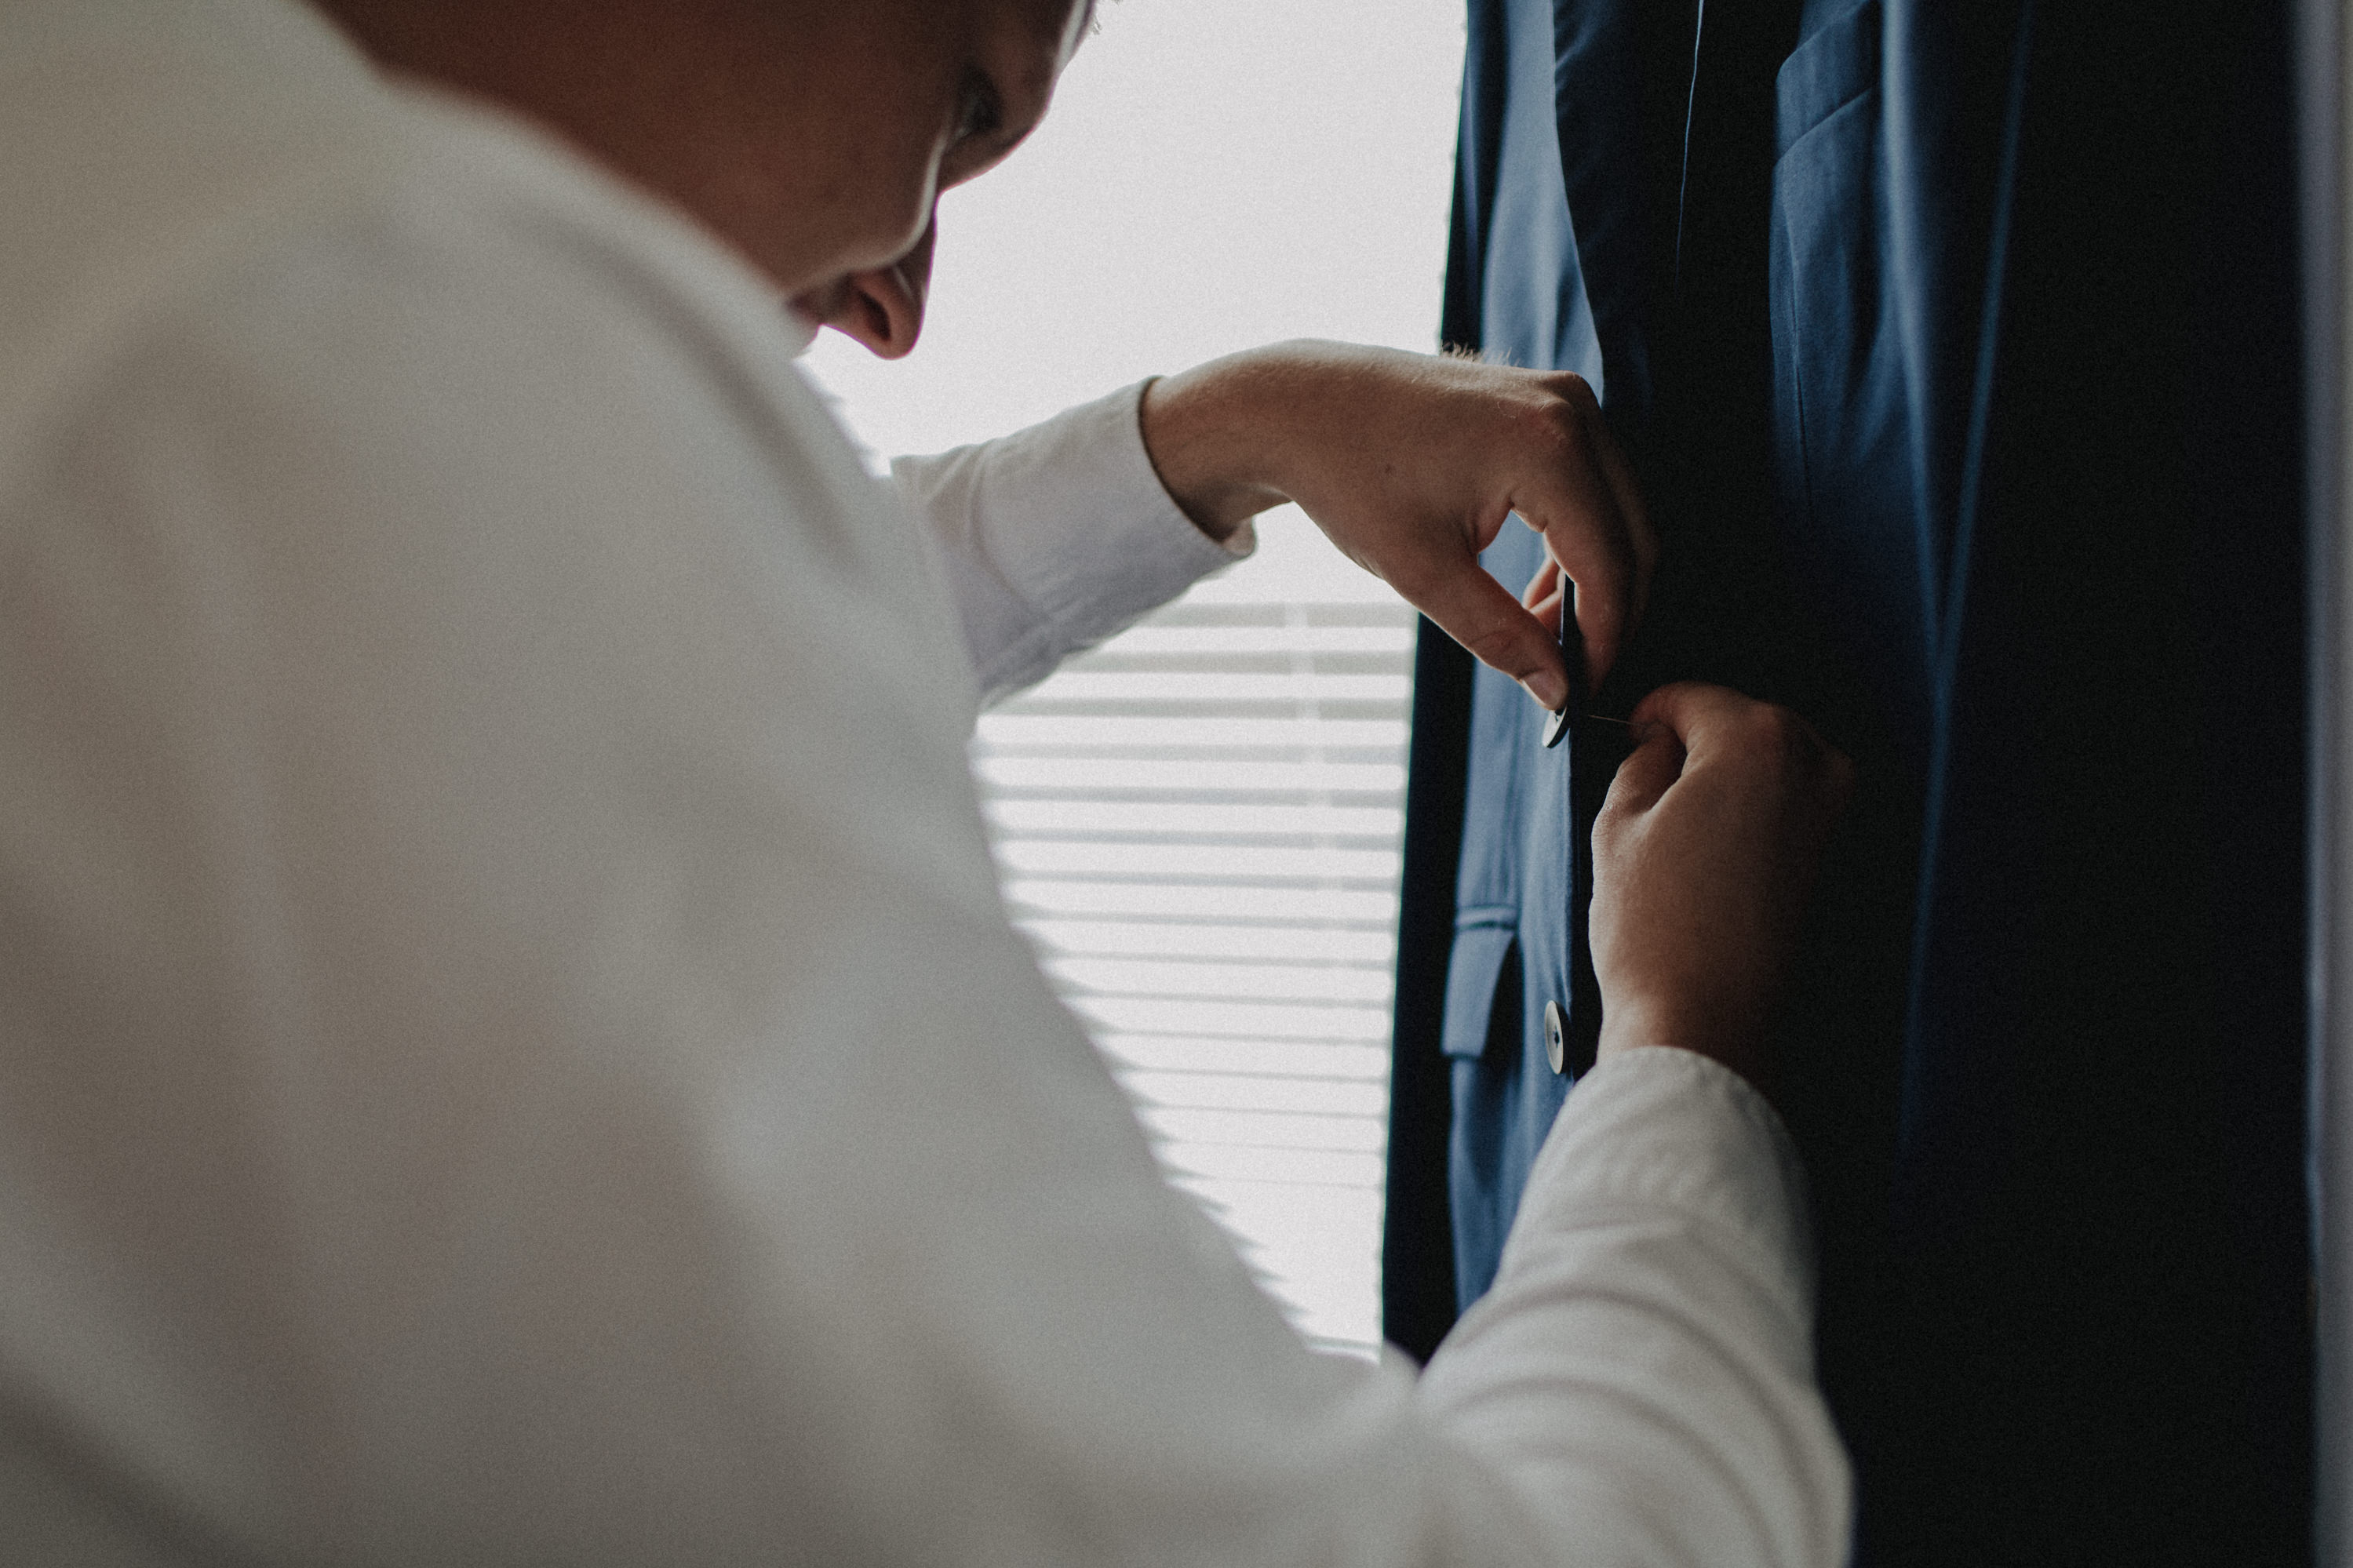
(1411, 464)
(1703, 856)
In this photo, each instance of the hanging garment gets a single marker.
(1556, 266)
(1957, 347)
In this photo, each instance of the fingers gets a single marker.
(1697, 715)
(1544, 589)
(1691, 710)
(1588, 510)
(1712, 722)
(1647, 773)
(1481, 613)
(1665, 723)
(1461, 447)
(1585, 533)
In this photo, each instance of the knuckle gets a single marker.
(1576, 391)
(1552, 426)
(1771, 732)
(1797, 753)
(1551, 450)
(1781, 748)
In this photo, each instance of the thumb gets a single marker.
(1691, 710)
(1648, 772)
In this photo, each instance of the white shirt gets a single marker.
(510, 1047)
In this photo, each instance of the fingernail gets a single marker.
(1550, 690)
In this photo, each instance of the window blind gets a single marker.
(1199, 826)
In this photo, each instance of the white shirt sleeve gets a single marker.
(510, 1051)
(1054, 538)
(1642, 1369)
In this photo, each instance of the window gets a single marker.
(1198, 825)
(1200, 822)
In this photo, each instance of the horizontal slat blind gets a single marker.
(1198, 825)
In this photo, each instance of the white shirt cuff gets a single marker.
(1055, 537)
(1672, 1128)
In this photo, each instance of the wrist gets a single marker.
(1740, 1048)
(1213, 435)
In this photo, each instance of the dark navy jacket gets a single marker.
(1957, 348)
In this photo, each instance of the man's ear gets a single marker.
(882, 306)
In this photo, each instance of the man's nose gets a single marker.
(884, 307)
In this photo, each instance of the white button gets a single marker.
(1556, 1037)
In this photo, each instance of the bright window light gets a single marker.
(1198, 822)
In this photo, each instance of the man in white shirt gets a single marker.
(512, 1051)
